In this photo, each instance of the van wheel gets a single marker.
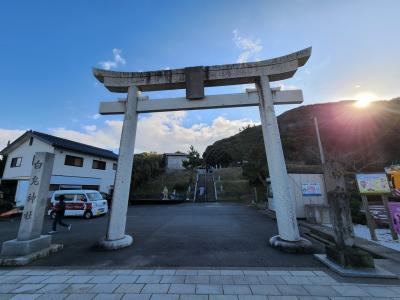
(53, 215)
(88, 214)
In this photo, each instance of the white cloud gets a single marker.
(107, 137)
(9, 135)
(250, 48)
(118, 60)
(96, 116)
(284, 86)
(164, 132)
(160, 132)
(90, 127)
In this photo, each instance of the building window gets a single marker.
(54, 187)
(30, 141)
(114, 166)
(90, 187)
(16, 162)
(98, 164)
(73, 161)
(69, 187)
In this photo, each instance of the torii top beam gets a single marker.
(278, 68)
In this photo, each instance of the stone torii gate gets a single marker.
(194, 79)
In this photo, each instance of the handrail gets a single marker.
(215, 189)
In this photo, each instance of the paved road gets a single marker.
(181, 235)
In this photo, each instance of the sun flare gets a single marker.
(363, 100)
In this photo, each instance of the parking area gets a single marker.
(216, 235)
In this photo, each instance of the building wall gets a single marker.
(26, 152)
(62, 174)
(295, 182)
(22, 173)
(175, 162)
(105, 177)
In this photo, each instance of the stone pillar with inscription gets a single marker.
(30, 243)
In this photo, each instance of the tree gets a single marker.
(146, 166)
(194, 160)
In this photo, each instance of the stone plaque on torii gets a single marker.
(194, 80)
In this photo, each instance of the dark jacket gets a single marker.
(60, 207)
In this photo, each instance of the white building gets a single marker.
(76, 165)
(175, 160)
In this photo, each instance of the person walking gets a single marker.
(60, 211)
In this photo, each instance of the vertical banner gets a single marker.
(394, 209)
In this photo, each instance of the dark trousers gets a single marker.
(59, 219)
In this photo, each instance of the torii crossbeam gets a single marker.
(194, 79)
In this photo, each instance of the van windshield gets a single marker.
(94, 196)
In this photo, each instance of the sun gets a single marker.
(363, 100)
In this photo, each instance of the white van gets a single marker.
(84, 203)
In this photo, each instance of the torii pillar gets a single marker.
(289, 239)
(194, 79)
(116, 237)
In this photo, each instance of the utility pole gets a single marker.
(321, 150)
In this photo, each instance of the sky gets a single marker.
(48, 50)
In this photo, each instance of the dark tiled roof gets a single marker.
(61, 143)
(75, 146)
(176, 154)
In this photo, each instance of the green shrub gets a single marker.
(357, 216)
(180, 187)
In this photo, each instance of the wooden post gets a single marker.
(392, 230)
(370, 219)
(338, 204)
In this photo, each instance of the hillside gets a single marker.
(366, 139)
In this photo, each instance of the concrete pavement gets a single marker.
(183, 235)
(206, 251)
(187, 284)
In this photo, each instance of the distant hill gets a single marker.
(366, 139)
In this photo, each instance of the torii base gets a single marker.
(300, 246)
(105, 244)
(350, 257)
(22, 260)
(16, 247)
